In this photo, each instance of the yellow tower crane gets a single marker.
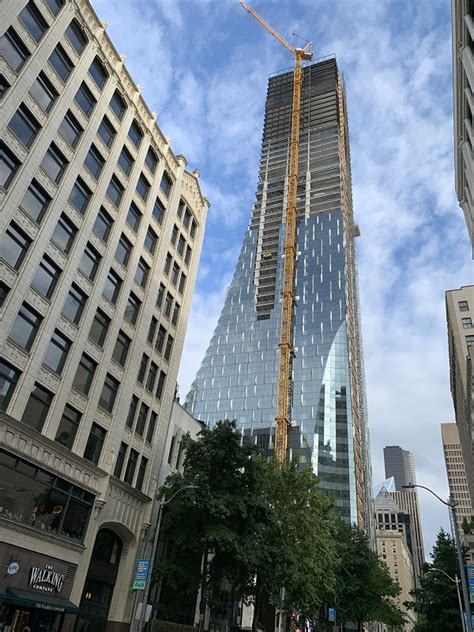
(282, 419)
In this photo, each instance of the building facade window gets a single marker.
(9, 165)
(9, 376)
(122, 346)
(54, 6)
(112, 286)
(33, 21)
(12, 49)
(151, 378)
(15, 244)
(160, 339)
(109, 393)
(35, 202)
(106, 132)
(151, 160)
(37, 407)
(175, 317)
(74, 304)
(103, 224)
(115, 191)
(57, 352)
(143, 187)
(117, 105)
(119, 463)
(152, 330)
(132, 411)
(99, 328)
(131, 467)
(161, 385)
(125, 161)
(47, 503)
(463, 306)
(80, 196)
(135, 134)
(134, 217)
(46, 277)
(25, 327)
(54, 163)
(168, 348)
(160, 295)
(151, 427)
(95, 443)
(61, 63)
(90, 262)
(84, 375)
(141, 275)
(4, 85)
(141, 473)
(94, 162)
(85, 99)
(466, 323)
(64, 234)
(68, 426)
(123, 251)
(98, 72)
(166, 184)
(24, 126)
(141, 420)
(70, 129)
(158, 210)
(151, 240)
(132, 309)
(142, 369)
(76, 37)
(43, 92)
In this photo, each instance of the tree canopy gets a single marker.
(436, 601)
(239, 520)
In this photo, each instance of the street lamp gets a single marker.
(153, 541)
(452, 507)
(456, 581)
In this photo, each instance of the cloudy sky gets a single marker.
(204, 67)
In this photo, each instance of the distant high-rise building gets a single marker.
(460, 321)
(455, 470)
(400, 464)
(238, 376)
(101, 229)
(395, 546)
(463, 87)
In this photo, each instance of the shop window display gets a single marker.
(41, 500)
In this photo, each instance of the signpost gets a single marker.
(141, 574)
(470, 580)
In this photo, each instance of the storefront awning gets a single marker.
(38, 599)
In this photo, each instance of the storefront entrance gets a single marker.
(100, 583)
(19, 619)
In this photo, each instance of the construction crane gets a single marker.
(285, 346)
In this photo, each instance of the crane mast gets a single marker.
(285, 346)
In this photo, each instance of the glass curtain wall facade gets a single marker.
(238, 376)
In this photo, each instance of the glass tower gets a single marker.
(238, 376)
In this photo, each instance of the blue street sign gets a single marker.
(331, 614)
(470, 579)
(141, 575)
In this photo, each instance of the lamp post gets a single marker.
(456, 581)
(452, 507)
(152, 541)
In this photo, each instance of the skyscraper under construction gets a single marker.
(238, 376)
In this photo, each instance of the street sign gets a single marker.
(331, 614)
(141, 575)
(470, 579)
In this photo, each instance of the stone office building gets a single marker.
(101, 230)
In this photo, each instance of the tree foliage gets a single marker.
(238, 520)
(365, 590)
(436, 601)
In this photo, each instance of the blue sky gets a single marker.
(204, 67)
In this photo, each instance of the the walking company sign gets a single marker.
(46, 579)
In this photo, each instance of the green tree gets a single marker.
(365, 590)
(208, 523)
(250, 524)
(435, 601)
